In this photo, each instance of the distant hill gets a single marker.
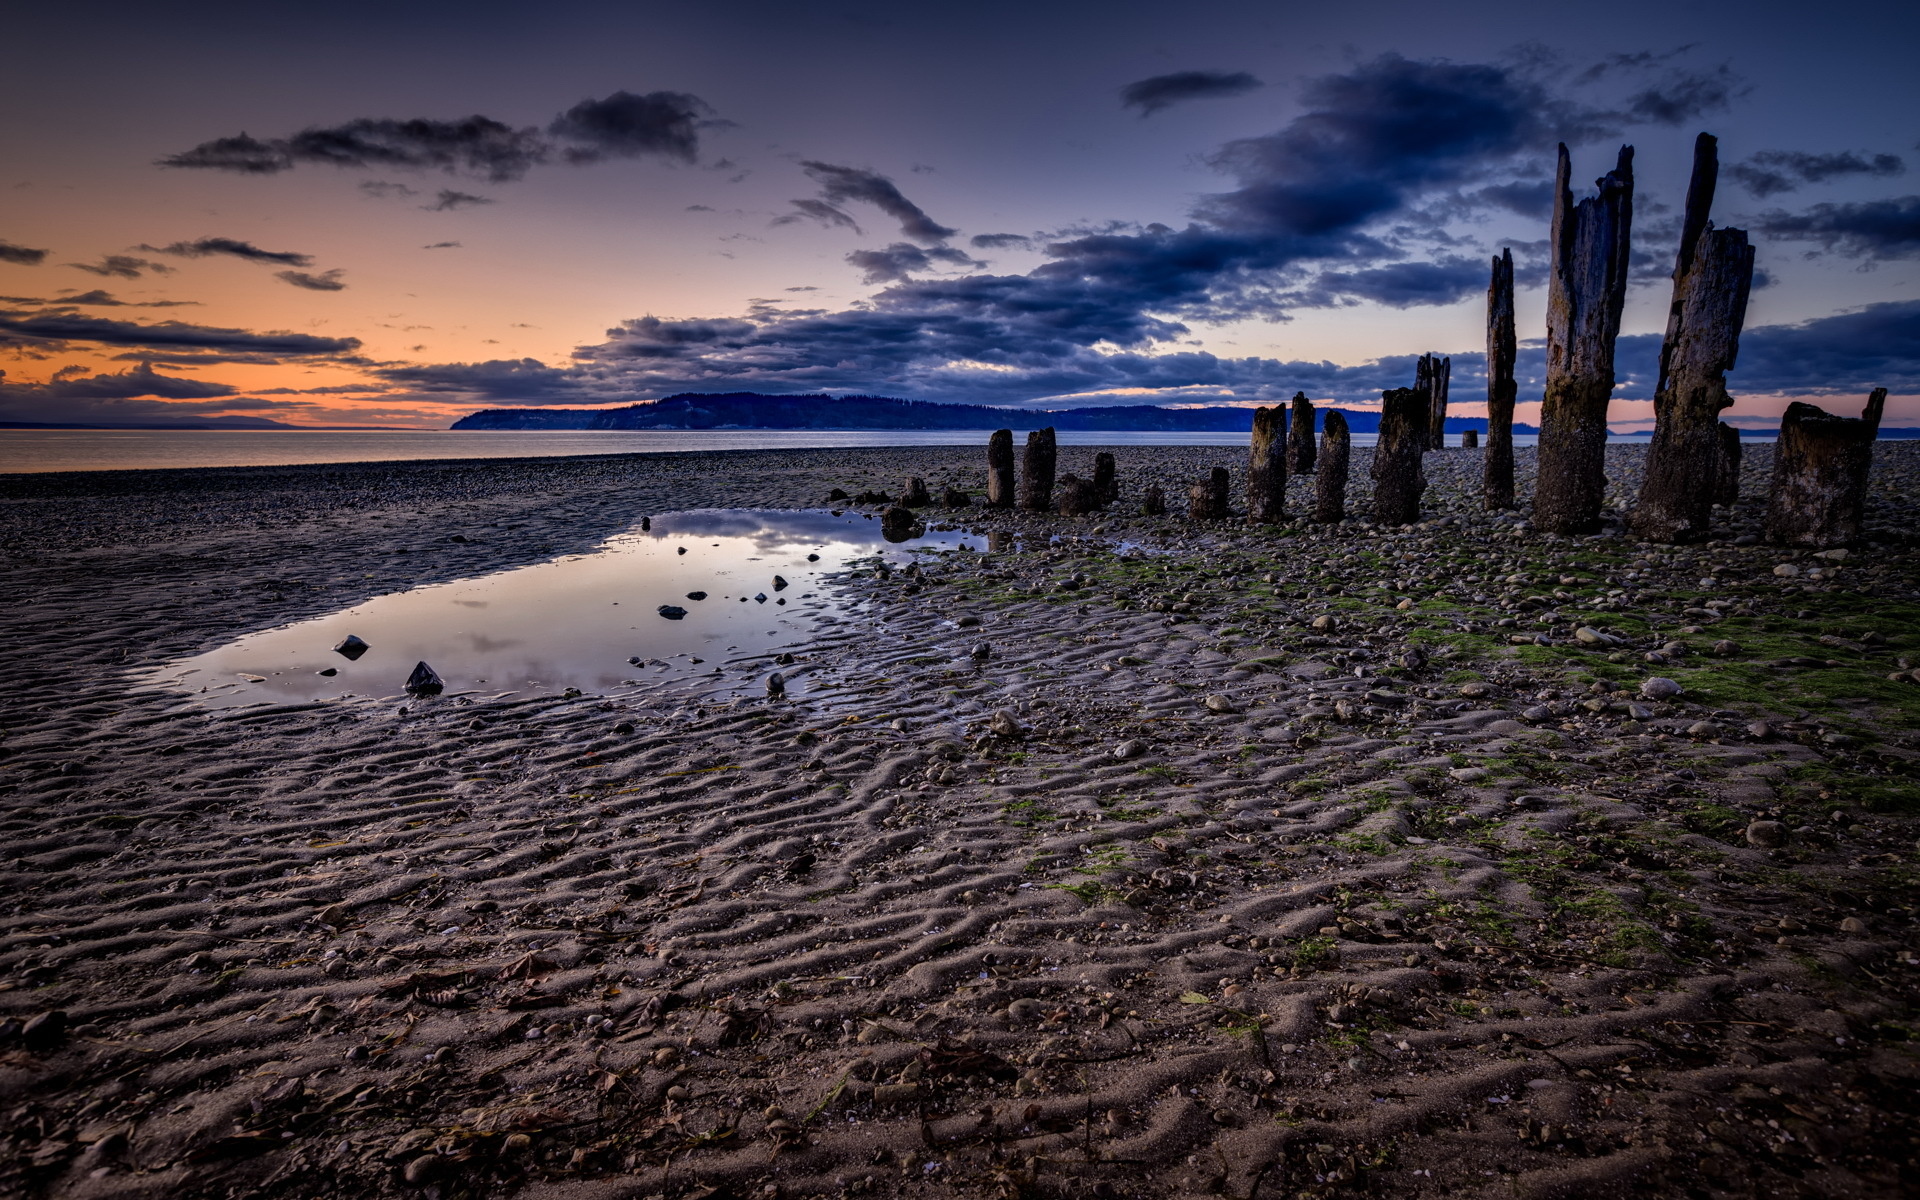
(753, 410)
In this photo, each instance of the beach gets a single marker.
(1131, 857)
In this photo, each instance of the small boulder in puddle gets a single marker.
(672, 612)
(425, 681)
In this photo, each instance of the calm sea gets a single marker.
(31, 450)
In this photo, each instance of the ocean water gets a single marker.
(37, 450)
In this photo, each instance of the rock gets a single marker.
(672, 612)
(1325, 623)
(696, 595)
(1656, 687)
(1131, 748)
(1767, 834)
(1703, 729)
(351, 648)
(1003, 724)
(1469, 774)
(425, 681)
(838, 494)
(1216, 703)
(1725, 649)
(1759, 731)
(1476, 689)
(328, 671)
(776, 684)
(1537, 714)
(895, 1093)
(897, 524)
(1786, 570)
(1854, 926)
(913, 493)
(427, 1169)
(981, 652)
(779, 583)
(1590, 636)
(45, 1030)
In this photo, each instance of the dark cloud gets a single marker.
(1160, 91)
(1770, 172)
(102, 299)
(450, 201)
(844, 185)
(526, 380)
(624, 125)
(1686, 96)
(326, 281)
(1000, 241)
(1847, 354)
(72, 327)
(1868, 229)
(123, 266)
(902, 259)
(628, 126)
(380, 189)
(441, 246)
(1527, 198)
(1400, 285)
(232, 248)
(142, 380)
(818, 210)
(21, 255)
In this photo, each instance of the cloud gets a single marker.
(1399, 285)
(1000, 241)
(73, 327)
(450, 200)
(21, 255)
(624, 125)
(101, 299)
(844, 185)
(141, 380)
(326, 281)
(380, 189)
(628, 126)
(1869, 229)
(1686, 96)
(1770, 172)
(1846, 354)
(123, 266)
(901, 259)
(232, 248)
(441, 246)
(820, 211)
(1161, 91)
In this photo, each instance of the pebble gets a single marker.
(1767, 834)
(1131, 748)
(1003, 724)
(1657, 687)
(1854, 926)
(1216, 703)
(1477, 689)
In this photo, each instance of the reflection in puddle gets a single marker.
(749, 583)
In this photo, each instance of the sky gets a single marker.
(392, 215)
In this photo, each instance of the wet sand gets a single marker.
(1154, 858)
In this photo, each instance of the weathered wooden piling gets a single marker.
(1208, 499)
(913, 492)
(1075, 497)
(1439, 378)
(1106, 481)
(1587, 287)
(1036, 471)
(1820, 467)
(1267, 466)
(1398, 481)
(1153, 501)
(1330, 482)
(1726, 481)
(1712, 274)
(1470, 439)
(1300, 436)
(1496, 471)
(1000, 469)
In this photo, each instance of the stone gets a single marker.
(1767, 834)
(1537, 714)
(898, 524)
(351, 648)
(1657, 687)
(1217, 703)
(1725, 649)
(1325, 623)
(1786, 570)
(1477, 689)
(913, 492)
(981, 652)
(779, 584)
(424, 681)
(953, 497)
(1759, 731)
(672, 612)
(1131, 748)
(1703, 729)
(1854, 926)
(1004, 724)
(1587, 635)
(776, 684)
(428, 1169)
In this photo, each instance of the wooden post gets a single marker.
(1267, 466)
(1470, 439)
(1440, 375)
(913, 493)
(1496, 472)
(1208, 500)
(1000, 469)
(1330, 483)
(1820, 468)
(1106, 483)
(1077, 497)
(1300, 436)
(1036, 471)
(1587, 287)
(1398, 481)
(1153, 501)
(1712, 275)
(1726, 480)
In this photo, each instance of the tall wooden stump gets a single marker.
(1106, 482)
(1208, 499)
(1300, 436)
(1726, 481)
(1330, 483)
(1036, 471)
(1470, 439)
(913, 492)
(1587, 286)
(1153, 501)
(1076, 497)
(1496, 472)
(1000, 469)
(1267, 466)
(1398, 481)
(1439, 377)
(1712, 275)
(1820, 467)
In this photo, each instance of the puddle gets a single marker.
(576, 622)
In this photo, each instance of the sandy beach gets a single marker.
(1142, 857)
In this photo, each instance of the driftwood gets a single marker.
(1267, 466)
(1496, 472)
(913, 493)
(1106, 482)
(1075, 497)
(1820, 467)
(1036, 471)
(1398, 481)
(1330, 483)
(1000, 469)
(1208, 500)
(1300, 436)
(1470, 439)
(1153, 501)
(1726, 480)
(1712, 275)
(1586, 289)
(1439, 376)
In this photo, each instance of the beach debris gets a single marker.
(1330, 482)
(1075, 496)
(1153, 502)
(1000, 492)
(776, 684)
(1207, 500)
(425, 681)
(351, 648)
(1586, 289)
(913, 492)
(897, 524)
(1036, 471)
(1820, 467)
(1712, 274)
(1398, 481)
(1004, 724)
(1267, 466)
(1106, 482)
(1300, 453)
(672, 612)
